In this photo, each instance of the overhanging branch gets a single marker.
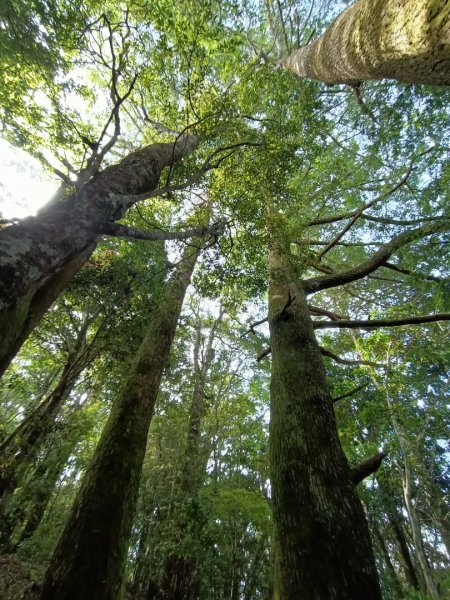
(346, 361)
(117, 230)
(366, 468)
(377, 323)
(350, 393)
(378, 259)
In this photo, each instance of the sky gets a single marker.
(24, 186)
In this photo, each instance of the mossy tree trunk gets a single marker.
(39, 255)
(407, 40)
(322, 537)
(40, 302)
(89, 559)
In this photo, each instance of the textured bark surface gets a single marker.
(40, 302)
(323, 542)
(34, 250)
(90, 556)
(407, 40)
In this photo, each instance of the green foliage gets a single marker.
(285, 153)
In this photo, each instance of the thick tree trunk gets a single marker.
(89, 559)
(33, 251)
(322, 535)
(17, 331)
(407, 40)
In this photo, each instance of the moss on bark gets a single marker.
(407, 40)
(323, 542)
(89, 559)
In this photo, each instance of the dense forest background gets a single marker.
(279, 178)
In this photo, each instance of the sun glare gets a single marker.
(24, 186)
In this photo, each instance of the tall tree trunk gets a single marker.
(26, 513)
(404, 553)
(89, 559)
(413, 517)
(322, 535)
(24, 443)
(391, 573)
(180, 579)
(407, 40)
(37, 248)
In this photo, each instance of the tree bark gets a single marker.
(33, 251)
(40, 302)
(20, 448)
(89, 559)
(404, 553)
(366, 468)
(407, 40)
(321, 531)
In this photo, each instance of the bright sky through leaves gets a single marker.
(24, 187)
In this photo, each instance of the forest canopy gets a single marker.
(224, 341)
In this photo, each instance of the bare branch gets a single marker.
(398, 269)
(263, 354)
(377, 323)
(345, 361)
(326, 313)
(378, 259)
(350, 393)
(347, 244)
(359, 212)
(253, 325)
(118, 230)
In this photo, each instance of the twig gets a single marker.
(345, 361)
(350, 393)
(263, 354)
(252, 327)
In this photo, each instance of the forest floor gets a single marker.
(18, 580)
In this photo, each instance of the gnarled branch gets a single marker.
(378, 259)
(377, 323)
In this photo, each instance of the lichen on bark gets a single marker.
(407, 40)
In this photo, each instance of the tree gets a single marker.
(40, 255)
(349, 208)
(308, 467)
(100, 522)
(180, 577)
(36, 249)
(407, 40)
